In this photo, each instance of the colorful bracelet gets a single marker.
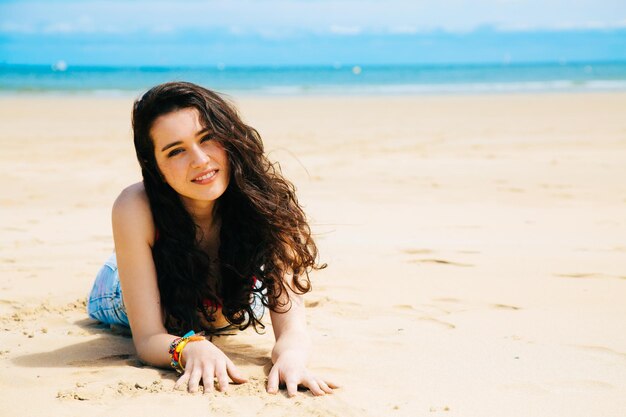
(177, 346)
(196, 338)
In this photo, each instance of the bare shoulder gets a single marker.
(132, 196)
(131, 212)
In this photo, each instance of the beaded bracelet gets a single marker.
(177, 346)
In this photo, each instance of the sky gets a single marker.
(310, 32)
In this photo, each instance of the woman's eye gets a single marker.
(174, 152)
(206, 138)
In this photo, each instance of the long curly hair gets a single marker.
(264, 234)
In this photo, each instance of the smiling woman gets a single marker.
(212, 235)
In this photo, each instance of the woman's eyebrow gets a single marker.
(179, 142)
(171, 145)
(203, 131)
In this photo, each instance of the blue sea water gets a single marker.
(323, 80)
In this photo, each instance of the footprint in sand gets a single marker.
(427, 317)
(438, 322)
(505, 307)
(441, 262)
(14, 229)
(316, 303)
(602, 350)
(418, 251)
(437, 261)
(447, 300)
(589, 275)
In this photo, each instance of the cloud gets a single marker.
(594, 24)
(163, 29)
(17, 28)
(64, 28)
(402, 30)
(274, 34)
(562, 26)
(274, 19)
(345, 30)
(236, 30)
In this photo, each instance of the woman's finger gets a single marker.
(313, 386)
(272, 381)
(194, 379)
(222, 377)
(324, 386)
(234, 373)
(184, 378)
(208, 376)
(292, 387)
(331, 384)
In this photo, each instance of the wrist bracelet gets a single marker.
(177, 346)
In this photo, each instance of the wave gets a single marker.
(395, 80)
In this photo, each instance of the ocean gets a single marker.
(322, 80)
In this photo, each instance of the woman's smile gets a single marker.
(206, 177)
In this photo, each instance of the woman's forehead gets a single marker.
(177, 126)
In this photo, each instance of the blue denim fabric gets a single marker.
(106, 305)
(105, 302)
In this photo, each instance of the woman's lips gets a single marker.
(205, 177)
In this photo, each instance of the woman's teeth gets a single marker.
(206, 176)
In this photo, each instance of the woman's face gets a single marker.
(191, 161)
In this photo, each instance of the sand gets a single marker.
(476, 249)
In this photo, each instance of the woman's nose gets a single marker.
(200, 158)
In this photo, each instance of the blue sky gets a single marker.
(309, 32)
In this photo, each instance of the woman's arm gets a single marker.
(133, 232)
(291, 351)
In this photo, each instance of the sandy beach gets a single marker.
(476, 249)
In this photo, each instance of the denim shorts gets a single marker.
(105, 302)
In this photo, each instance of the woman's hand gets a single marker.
(205, 361)
(290, 369)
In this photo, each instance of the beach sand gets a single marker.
(476, 249)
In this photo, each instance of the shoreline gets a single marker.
(238, 96)
(105, 94)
